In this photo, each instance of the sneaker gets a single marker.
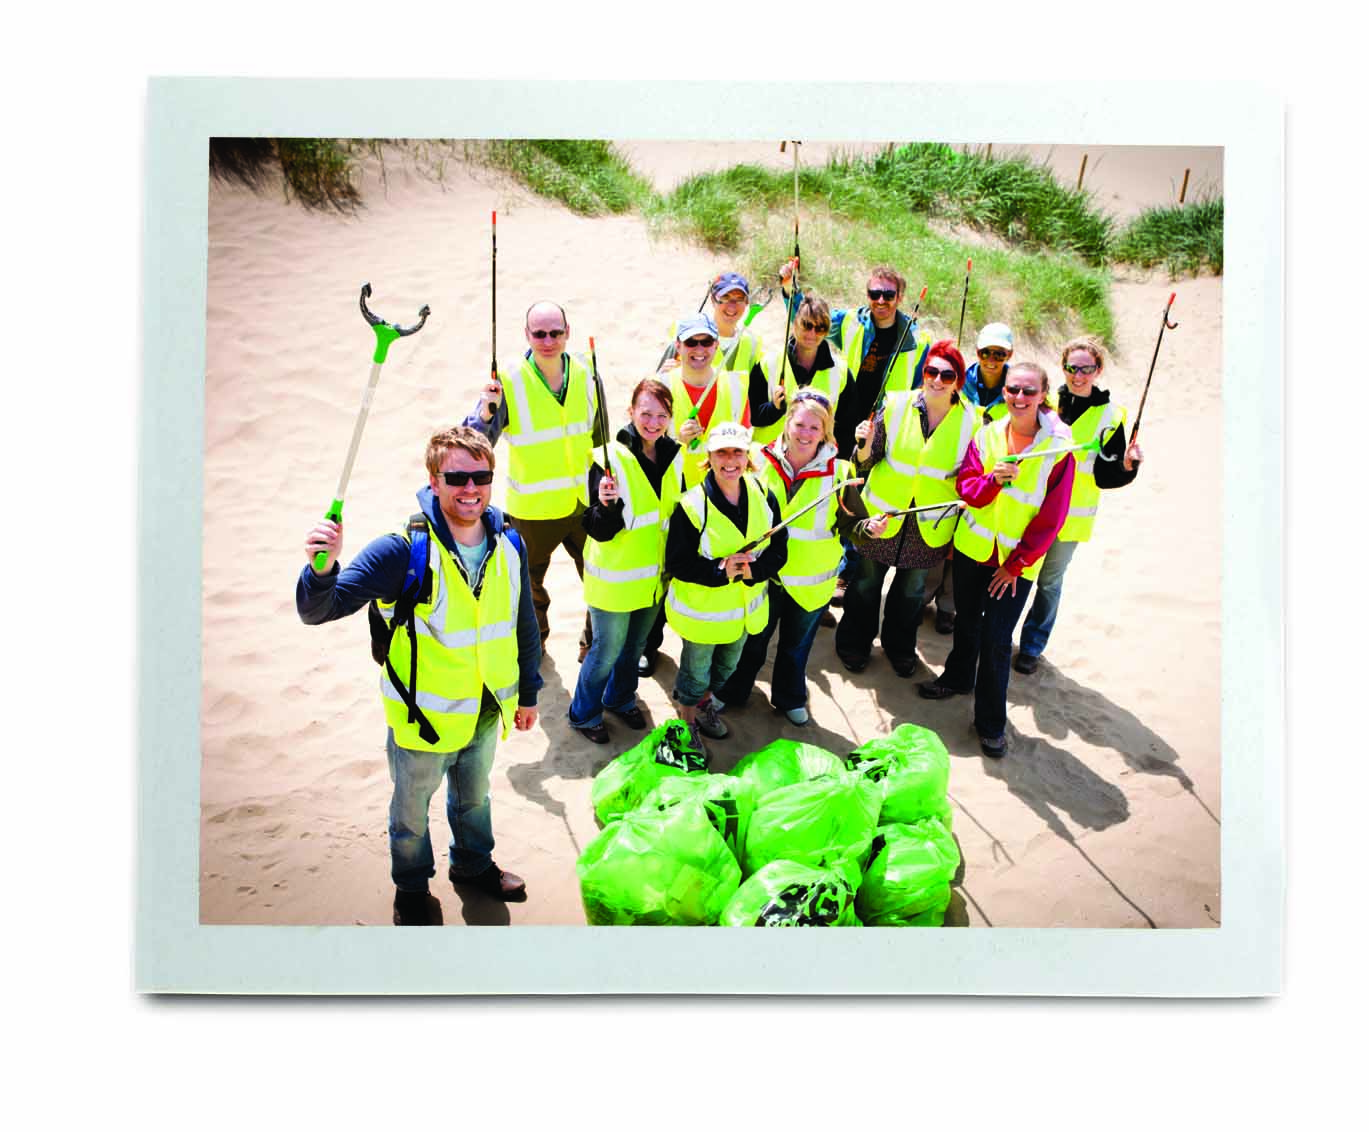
(632, 716)
(936, 690)
(646, 664)
(707, 721)
(1025, 663)
(995, 747)
(696, 737)
(798, 716)
(595, 733)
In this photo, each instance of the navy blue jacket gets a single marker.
(377, 574)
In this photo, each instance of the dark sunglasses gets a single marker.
(875, 293)
(1021, 390)
(552, 334)
(461, 479)
(943, 375)
(1085, 370)
(993, 355)
(814, 326)
(695, 343)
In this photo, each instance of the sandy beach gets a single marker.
(1107, 812)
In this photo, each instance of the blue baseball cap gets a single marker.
(693, 324)
(731, 281)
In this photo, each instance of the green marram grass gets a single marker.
(588, 177)
(1185, 239)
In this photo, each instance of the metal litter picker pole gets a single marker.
(1165, 324)
(853, 482)
(969, 264)
(385, 334)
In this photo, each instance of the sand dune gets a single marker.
(1107, 812)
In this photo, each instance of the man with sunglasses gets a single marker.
(552, 421)
(867, 337)
(459, 669)
(984, 378)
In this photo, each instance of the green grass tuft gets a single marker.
(319, 172)
(1185, 238)
(588, 177)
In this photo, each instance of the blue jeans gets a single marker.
(981, 649)
(798, 627)
(1036, 629)
(608, 674)
(705, 668)
(860, 614)
(416, 776)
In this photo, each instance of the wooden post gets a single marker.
(1080, 183)
(1184, 188)
(990, 151)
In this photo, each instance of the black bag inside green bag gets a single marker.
(908, 880)
(787, 894)
(828, 821)
(728, 801)
(669, 750)
(912, 768)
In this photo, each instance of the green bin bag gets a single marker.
(784, 762)
(728, 801)
(912, 768)
(786, 894)
(658, 867)
(669, 751)
(827, 821)
(908, 880)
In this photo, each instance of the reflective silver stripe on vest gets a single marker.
(1083, 512)
(465, 638)
(505, 693)
(809, 579)
(1008, 540)
(717, 614)
(640, 574)
(808, 534)
(543, 485)
(881, 504)
(519, 440)
(1029, 499)
(640, 522)
(967, 517)
(935, 474)
(429, 702)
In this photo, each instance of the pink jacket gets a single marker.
(980, 490)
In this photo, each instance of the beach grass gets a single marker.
(589, 177)
(1185, 238)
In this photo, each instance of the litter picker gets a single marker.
(793, 279)
(386, 333)
(969, 264)
(601, 414)
(855, 481)
(1094, 445)
(889, 365)
(1165, 324)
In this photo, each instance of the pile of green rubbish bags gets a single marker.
(793, 836)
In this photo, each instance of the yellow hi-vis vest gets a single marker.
(731, 388)
(719, 615)
(917, 469)
(465, 645)
(828, 382)
(624, 574)
(903, 368)
(1100, 421)
(1005, 519)
(549, 443)
(809, 573)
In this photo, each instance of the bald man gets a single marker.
(549, 409)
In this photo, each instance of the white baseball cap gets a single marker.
(728, 434)
(995, 334)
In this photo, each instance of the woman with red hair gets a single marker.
(909, 456)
